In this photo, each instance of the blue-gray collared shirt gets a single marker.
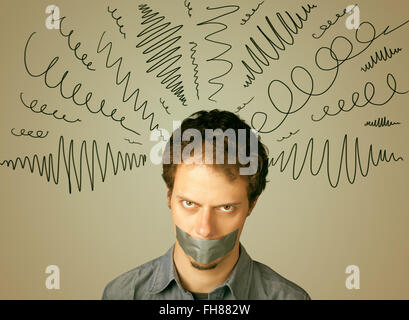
(158, 280)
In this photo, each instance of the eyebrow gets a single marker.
(182, 197)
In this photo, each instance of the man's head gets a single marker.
(210, 201)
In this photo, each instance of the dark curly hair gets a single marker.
(217, 119)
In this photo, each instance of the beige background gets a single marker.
(304, 229)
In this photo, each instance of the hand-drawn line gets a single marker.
(308, 91)
(381, 122)
(49, 167)
(196, 66)
(263, 59)
(223, 27)
(380, 57)
(132, 142)
(33, 104)
(75, 90)
(165, 55)
(382, 156)
(291, 134)
(244, 104)
(249, 15)
(39, 133)
(355, 97)
(162, 102)
(68, 36)
(188, 7)
(126, 79)
(116, 20)
(330, 23)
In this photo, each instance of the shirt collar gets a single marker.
(238, 280)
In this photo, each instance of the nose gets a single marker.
(204, 224)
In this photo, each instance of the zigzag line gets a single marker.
(196, 67)
(48, 166)
(216, 58)
(153, 32)
(344, 156)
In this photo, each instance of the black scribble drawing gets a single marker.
(196, 66)
(263, 57)
(38, 133)
(116, 20)
(382, 156)
(126, 79)
(244, 104)
(42, 109)
(188, 7)
(67, 164)
(329, 23)
(162, 102)
(380, 56)
(132, 142)
(157, 37)
(74, 49)
(291, 134)
(381, 122)
(249, 15)
(214, 21)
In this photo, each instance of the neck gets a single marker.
(203, 281)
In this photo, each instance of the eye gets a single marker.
(188, 204)
(227, 208)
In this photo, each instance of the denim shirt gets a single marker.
(158, 280)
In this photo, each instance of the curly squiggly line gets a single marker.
(217, 57)
(48, 166)
(381, 122)
(357, 162)
(196, 66)
(379, 56)
(165, 55)
(264, 56)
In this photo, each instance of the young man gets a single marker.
(211, 192)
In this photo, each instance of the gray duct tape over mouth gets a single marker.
(205, 251)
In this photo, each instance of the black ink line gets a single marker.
(165, 56)
(249, 15)
(291, 134)
(163, 105)
(132, 142)
(232, 9)
(196, 66)
(116, 20)
(379, 56)
(309, 91)
(33, 104)
(75, 90)
(381, 122)
(188, 7)
(330, 23)
(70, 164)
(382, 156)
(39, 133)
(244, 104)
(68, 36)
(263, 59)
(355, 98)
(126, 79)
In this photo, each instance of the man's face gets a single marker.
(207, 205)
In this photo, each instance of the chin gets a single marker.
(200, 266)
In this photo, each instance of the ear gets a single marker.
(252, 205)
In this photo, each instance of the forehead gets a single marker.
(205, 183)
